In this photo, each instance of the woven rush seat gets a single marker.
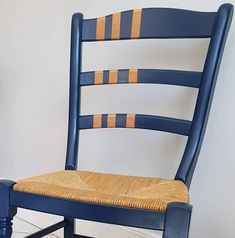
(107, 189)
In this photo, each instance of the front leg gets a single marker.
(177, 221)
(7, 211)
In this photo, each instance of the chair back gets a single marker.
(149, 23)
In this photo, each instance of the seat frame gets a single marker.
(175, 221)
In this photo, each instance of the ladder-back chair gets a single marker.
(151, 203)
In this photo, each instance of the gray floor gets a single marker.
(22, 228)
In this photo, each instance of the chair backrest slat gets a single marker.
(137, 121)
(149, 23)
(147, 76)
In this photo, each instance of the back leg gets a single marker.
(69, 228)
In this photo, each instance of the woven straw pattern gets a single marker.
(109, 189)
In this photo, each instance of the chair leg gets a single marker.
(177, 221)
(7, 212)
(69, 228)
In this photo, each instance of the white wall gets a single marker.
(34, 63)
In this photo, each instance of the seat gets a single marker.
(143, 202)
(108, 189)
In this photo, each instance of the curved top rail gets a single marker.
(149, 23)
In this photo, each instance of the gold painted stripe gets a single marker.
(136, 23)
(111, 121)
(99, 77)
(100, 28)
(113, 76)
(116, 22)
(97, 121)
(130, 121)
(133, 75)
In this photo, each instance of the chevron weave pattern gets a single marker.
(107, 189)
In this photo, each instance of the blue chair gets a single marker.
(151, 203)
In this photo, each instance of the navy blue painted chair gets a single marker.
(149, 203)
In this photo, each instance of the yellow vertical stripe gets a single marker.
(113, 76)
(99, 77)
(111, 121)
(100, 28)
(136, 23)
(130, 121)
(133, 76)
(97, 121)
(116, 22)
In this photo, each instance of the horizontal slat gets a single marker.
(147, 76)
(173, 125)
(123, 216)
(149, 23)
